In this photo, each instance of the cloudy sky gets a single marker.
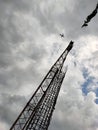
(30, 44)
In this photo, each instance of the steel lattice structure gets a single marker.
(37, 113)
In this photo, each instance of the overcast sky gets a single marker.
(30, 44)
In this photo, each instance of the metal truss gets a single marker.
(37, 113)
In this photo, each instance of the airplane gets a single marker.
(62, 35)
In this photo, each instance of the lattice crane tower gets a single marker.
(38, 111)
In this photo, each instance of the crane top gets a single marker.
(69, 47)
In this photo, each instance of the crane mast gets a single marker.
(38, 111)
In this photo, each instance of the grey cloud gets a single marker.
(22, 5)
(23, 27)
(75, 116)
(70, 21)
(48, 19)
(7, 114)
(11, 38)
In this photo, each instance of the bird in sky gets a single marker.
(89, 17)
(62, 35)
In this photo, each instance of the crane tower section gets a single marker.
(38, 111)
